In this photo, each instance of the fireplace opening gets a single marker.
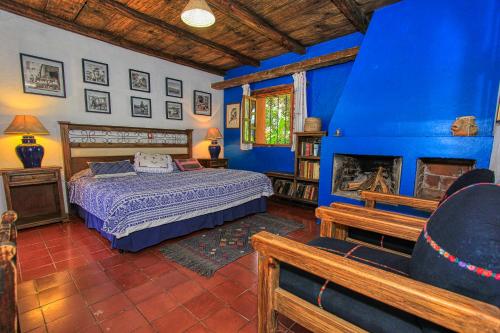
(355, 173)
(435, 175)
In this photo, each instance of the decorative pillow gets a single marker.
(81, 174)
(188, 164)
(153, 163)
(459, 249)
(112, 169)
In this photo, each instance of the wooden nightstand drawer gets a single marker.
(216, 163)
(22, 179)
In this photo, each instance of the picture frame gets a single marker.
(97, 101)
(498, 106)
(95, 72)
(202, 103)
(139, 81)
(173, 110)
(140, 107)
(233, 115)
(42, 76)
(173, 87)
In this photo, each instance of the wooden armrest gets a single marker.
(440, 306)
(408, 229)
(392, 199)
(377, 213)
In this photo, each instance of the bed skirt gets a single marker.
(141, 239)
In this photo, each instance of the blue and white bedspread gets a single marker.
(128, 204)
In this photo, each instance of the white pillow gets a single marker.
(153, 163)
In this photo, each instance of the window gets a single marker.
(267, 116)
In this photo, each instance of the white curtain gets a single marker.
(300, 104)
(495, 155)
(246, 92)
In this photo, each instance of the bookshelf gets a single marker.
(303, 184)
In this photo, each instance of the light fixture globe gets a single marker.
(197, 14)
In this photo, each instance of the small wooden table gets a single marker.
(35, 194)
(220, 163)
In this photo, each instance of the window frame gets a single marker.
(273, 91)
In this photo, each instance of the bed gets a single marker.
(135, 212)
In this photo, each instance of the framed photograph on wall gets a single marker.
(173, 110)
(141, 107)
(498, 106)
(233, 115)
(97, 101)
(95, 72)
(174, 87)
(202, 103)
(42, 76)
(139, 80)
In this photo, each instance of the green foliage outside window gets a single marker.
(278, 119)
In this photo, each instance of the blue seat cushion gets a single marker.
(388, 242)
(360, 310)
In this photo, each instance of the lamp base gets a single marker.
(29, 152)
(214, 150)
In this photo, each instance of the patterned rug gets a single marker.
(209, 251)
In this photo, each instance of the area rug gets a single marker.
(209, 251)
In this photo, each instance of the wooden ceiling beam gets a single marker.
(26, 11)
(353, 13)
(255, 22)
(334, 58)
(179, 32)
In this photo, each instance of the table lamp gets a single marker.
(29, 152)
(214, 134)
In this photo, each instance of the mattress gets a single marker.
(133, 203)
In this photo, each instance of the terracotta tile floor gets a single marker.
(73, 282)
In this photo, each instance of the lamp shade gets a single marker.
(213, 133)
(24, 124)
(197, 14)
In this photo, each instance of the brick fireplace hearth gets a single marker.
(435, 175)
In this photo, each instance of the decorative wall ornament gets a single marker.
(95, 72)
(97, 101)
(233, 115)
(141, 107)
(174, 87)
(464, 126)
(202, 103)
(93, 136)
(42, 76)
(173, 110)
(139, 81)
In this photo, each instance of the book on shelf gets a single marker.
(309, 149)
(306, 191)
(309, 169)
(283, 187)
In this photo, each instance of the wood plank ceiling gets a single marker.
(244, 33)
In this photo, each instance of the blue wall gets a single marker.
(422, 64)
(325, 86)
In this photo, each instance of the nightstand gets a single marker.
(220, 163)
(35, 194)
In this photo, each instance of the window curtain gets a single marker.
(300, 104)
(246, 92)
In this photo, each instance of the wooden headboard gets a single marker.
(83, 143)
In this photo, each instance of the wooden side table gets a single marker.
(220, 163)
(35, 194)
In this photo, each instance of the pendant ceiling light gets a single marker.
(197, 14)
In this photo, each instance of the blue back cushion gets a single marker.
(459, 249)
(112, 169)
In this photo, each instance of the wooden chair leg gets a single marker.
(341, 232)
(326, 228)
(268, 282)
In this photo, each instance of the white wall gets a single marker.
(21, 35)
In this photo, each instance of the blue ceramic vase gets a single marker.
(29, 152)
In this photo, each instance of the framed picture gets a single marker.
(139, 80)
(233, 115)
(141, 107)
(95, 72)
(174, 87)
(173, 110)
(498, 105)
(97, 101)
(202, 103)
(42, 76)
